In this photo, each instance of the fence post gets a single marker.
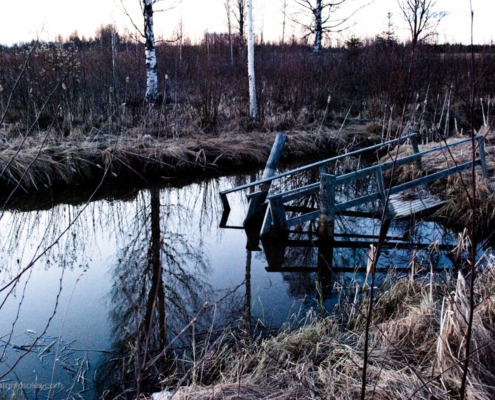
(482, 157)
(277, 211)
(414, 142)
(381, 189)
(326, 223)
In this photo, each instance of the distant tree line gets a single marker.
(85, 83)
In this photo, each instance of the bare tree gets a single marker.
(150, 52)
(147, 10)
(240, 16)
(322, 19)
(252, 82)
(421, 18)
(284, 13)
(228, 11)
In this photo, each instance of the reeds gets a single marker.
(417, 349)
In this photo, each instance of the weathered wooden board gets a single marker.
(401, 208)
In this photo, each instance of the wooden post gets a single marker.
(326, 224)
(273, 160)
(277, 211)
(381, 189)
(414, 142)
(482, 157)
(254, 214)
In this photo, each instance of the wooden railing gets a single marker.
(259, 196)
(276, 219)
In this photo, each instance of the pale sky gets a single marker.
(21, 21)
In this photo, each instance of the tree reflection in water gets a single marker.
(159, 284)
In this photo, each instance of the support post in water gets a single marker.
(254, 214)
(326, 222)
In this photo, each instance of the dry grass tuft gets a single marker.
(417, 349)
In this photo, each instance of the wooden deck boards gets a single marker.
(402, 208)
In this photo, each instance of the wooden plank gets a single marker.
(405, 208)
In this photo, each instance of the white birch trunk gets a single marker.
(229, 26)
(318, 10)
(252, 83)
(150, 52)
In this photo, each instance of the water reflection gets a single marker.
(102, 297)
(159, 284)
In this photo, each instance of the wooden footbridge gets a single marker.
(274, 213)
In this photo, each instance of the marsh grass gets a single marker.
(44, 161)
(417, 348)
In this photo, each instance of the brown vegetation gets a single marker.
(417, 338)
(77, 106)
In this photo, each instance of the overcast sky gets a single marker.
(21, 21)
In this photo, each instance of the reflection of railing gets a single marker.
(276, 218)
(258, 197)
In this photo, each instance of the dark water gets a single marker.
(81, 285)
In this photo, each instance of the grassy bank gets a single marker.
(42, 160)
(417, 348)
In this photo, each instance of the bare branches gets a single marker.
(323, 21)
(421, 18)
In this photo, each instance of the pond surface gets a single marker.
(83, 286)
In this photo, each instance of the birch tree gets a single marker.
(322, 19)
(150, 53)
(252, 82)
(148, 34)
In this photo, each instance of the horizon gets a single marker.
(53, 18)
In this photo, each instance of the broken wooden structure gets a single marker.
(274, 214)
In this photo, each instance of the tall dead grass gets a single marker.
(417, 349)
(38, 162)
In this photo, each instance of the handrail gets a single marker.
(313, 187)
(276, 216)
(316, 164)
